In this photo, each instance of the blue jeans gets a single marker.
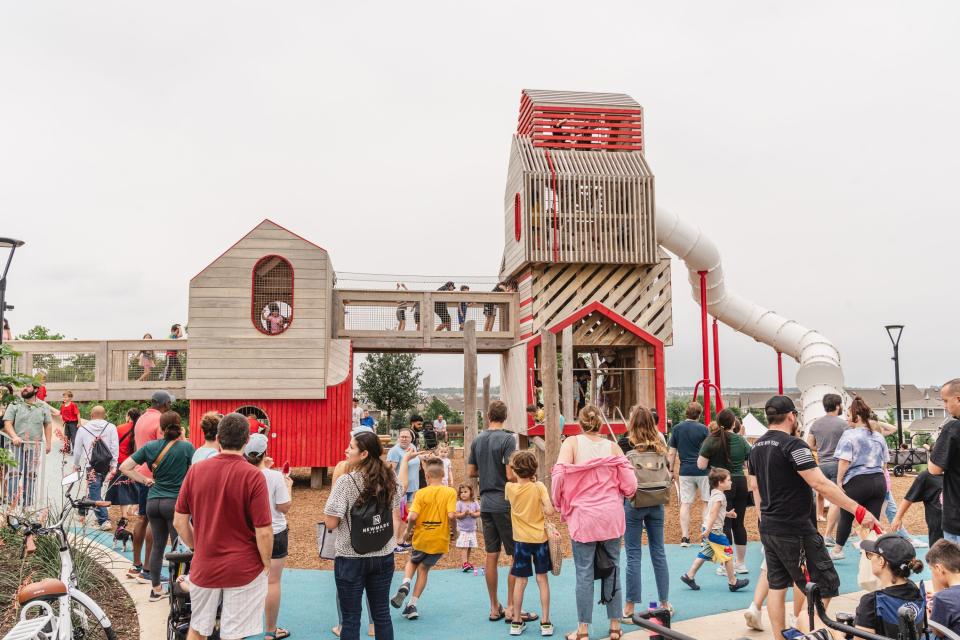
(583, 563)
(651, 519)
(356, 575)
(94, 487)
(890, 510)
(952, 537)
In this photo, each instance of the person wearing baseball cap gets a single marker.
(783, 476)
(279, 491)
(892, 560)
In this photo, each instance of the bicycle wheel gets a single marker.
(86, 626)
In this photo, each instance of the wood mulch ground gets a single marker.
(308, 505)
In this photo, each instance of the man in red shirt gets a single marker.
(146, 429)
(223, 514)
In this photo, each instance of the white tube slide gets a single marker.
(820, 372)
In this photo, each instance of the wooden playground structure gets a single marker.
(271, 332)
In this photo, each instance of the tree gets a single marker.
(438, 407)
(391, 381)
(40, 332)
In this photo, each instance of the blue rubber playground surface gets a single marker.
(455, 604)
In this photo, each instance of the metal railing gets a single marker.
(22, 486)
(102, 370)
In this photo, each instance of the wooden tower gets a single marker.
(261, 342)
(581, 246)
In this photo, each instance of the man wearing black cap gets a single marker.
(783, 476)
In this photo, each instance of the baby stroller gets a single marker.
(178, 620)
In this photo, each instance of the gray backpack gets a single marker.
(653, 478)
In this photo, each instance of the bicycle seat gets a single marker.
(47, 589)
(185, 556)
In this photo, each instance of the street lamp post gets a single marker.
(7, 243)
(894, 331)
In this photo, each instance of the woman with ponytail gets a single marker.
(861, 458)
(590, 481)
(368, 482)
(892, 560)
(729, 450)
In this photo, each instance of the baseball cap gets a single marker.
(779, 405)
(256, 445)
(162, 397)
(895, 549)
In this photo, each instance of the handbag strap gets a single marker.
(163, 453)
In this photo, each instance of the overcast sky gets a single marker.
(816, 142)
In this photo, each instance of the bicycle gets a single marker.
(56, 609)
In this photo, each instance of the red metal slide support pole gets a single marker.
(706, 346)
(716, 361)
(779, 373)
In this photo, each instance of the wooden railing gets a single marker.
(102, 370)
(424, 320)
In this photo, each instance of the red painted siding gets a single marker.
(305, 433)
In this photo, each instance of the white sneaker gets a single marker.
(106, 526)
(741, 568)
(918, 544)
(829, 541)
(837, 553)
(754, 617)
(721, 571)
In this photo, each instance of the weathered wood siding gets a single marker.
(229, 358)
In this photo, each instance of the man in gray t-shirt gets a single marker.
(488, 460)
(823, 436)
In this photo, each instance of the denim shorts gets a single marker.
(529, 557)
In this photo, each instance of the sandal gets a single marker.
(279, 634)
(525, 616)
(619, 633)
(576, 635)
(500, 616)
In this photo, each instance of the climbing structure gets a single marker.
(580, 243)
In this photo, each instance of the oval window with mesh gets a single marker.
(272, 307)
(257, 417)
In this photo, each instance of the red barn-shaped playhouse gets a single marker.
(261, 344)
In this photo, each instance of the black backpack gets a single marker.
(429, 437)
(370, 524)
(100, 456)
(603, 568)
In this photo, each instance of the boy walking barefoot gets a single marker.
(428, 524)
(715, 547)
(529, 504)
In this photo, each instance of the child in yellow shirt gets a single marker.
(428, 524)
(529, 504)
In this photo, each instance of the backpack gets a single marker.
(100, 456)
(603, 568)
(429, 437)
(370, 524)
(653, 478)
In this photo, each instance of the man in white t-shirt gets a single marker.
(440, 427)
(357, 414)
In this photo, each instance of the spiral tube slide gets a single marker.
(820, 372)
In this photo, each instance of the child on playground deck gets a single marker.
(428, 525)
(715, 546)
(70, 416)
(944, 562)
(468, 510)
(529, 504)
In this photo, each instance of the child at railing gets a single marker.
(148, 360)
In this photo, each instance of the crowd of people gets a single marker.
(225, 502)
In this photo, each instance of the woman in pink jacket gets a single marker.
(590, 481)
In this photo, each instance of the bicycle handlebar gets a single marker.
(815, 604)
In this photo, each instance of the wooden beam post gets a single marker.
(318, 477)
(551, 400)
(486, 400)
(469, 393)
(566, 349)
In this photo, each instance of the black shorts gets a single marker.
(441, 310)
(497, 531)
(142, 503)
(530, 556)
(280, 545)
(426, 559)
(787, 556)
(401, 314)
